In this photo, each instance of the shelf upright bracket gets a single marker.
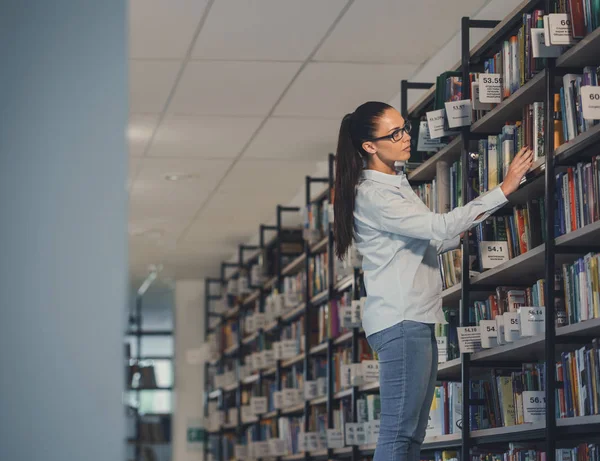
(550, 254)
(280, 210)
(405, 85)
(466, 25)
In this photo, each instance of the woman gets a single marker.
(399, 239)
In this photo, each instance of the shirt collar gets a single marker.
(395, 180)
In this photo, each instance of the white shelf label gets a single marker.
(459, 113)
(351, 433)
(335, 439)
(534, 403)
(301, 442)
(268, 358)
(360, 435)
(241, 451)
(312, 441)
(370, 370)
(261, 449)
(247, 414)
(277, 447)
(489, 333)
(442, 344)
(469, 339)
(259, 320)
(372, 428)
(435, 122)
(539, 47)
(532, 320)
(490, 88)
(278, 400)
(493, 253)
(477, 104)
(289, 348)
(425, 143)
(512, 330)
(290, 397)
(258, 405)
(590, 101)
(560, 29)
(321, 387)
(310, 390)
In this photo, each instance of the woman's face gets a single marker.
(386, 149)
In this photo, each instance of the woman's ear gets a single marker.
(369, 147)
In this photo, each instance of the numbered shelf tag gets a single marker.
(277, 305)
(493, 253)
(489, 333)
(361, 434)
(590, 101)
(290, 397)
(512, 330)
(459, 113)
(301, 442)
(247, 414)
(532, 321)
(534, 406)
(425, 143)
(370, 370)
(436, 120)
(335, 439)
(261, 449)
(442, 344)
(372, 428)
(268, 358)
(321, 387)
(259, 320)
(475, 95)
(289, 348)
(539, 47)
(351, 433)
(313, 441)
(490, 88)
(277, 447)
(560, 31)
(232, 414)
(258, 405)
(310, 390)
(469, 339)
(278, 400)
(241, 451)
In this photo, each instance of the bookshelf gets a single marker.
(151, 431)
(524, 269)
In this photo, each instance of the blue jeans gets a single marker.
(407, 376)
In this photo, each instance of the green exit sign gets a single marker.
(195, 435)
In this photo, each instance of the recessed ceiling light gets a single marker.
(179, 177)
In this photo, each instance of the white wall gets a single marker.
(63, 230)
(189, 378)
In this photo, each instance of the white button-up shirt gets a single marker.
(399, 240)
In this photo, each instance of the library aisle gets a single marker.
(168, 284)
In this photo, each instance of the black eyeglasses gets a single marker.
(397, 134)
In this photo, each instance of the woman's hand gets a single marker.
(518, 167)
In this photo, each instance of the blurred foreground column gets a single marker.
(63, 229)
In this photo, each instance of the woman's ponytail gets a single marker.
(348, 168)
(355, 129)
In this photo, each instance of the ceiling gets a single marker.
(242, 99)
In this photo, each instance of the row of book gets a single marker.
(577, 196)
(294, 290)
(445, 415)
(317, 273)
(582, 288)
(520, 452)
(316, 220)
(571, 113)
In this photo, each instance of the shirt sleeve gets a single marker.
(447, 245)
(390, 212)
